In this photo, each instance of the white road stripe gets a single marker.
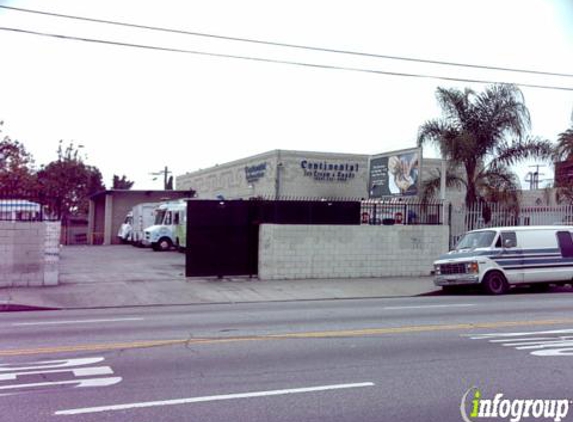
(453, 305)
(94, 382)
(78, 372)
(79, 321)
(210, 398)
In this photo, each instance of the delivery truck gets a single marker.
(161, 235)
(143, 216)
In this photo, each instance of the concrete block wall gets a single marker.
(321, 251)
(29, 253)
(51, 253)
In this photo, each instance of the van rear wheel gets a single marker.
(495, 283)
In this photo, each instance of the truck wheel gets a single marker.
(495, 283)
(164, 244)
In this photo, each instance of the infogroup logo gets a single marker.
(474, 407)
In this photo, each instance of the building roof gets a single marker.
(128, 192)
(271, 153)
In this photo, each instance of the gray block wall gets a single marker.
(314, 252)
(29, 253)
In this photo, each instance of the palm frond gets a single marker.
(440, 133)
(509, 154)
(498, 184)
(564, 148)
(454, 103)
(500, 112)
(432, 184)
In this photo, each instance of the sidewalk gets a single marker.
(121, 276)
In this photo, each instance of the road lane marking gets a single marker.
(78, 372)
(91, 347)
(202, 399)
(94, 382)
(538, 343)
(83, 376)
(453, 305)
(49, 364)
(522, 334)
(286, 336)
(79, 321)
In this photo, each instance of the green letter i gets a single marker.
(476, 404)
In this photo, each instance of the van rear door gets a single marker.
(542, 260)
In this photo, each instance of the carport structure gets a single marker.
(107, 210)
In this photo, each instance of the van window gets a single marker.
(476, 240)
(565, 244)
(167, 221)
(176, 218)
(508, 239)
(536, 239)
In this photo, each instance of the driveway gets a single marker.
(119, 263)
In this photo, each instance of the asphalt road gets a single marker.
(346, 360)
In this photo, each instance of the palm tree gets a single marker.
(564, 148)
(564, 152)
(482, 135)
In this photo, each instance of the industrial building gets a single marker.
(289, 174)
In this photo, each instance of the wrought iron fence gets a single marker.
(406, 211)
(401, 212)
(463, 218)
(20, 205)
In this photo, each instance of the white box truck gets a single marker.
(161, 235)
(143, 216)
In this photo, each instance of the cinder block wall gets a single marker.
(317, 251)
(29, 253)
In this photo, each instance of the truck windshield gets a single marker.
(476, 240)
(159, 215)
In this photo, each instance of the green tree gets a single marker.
(68, 182)
(482, 135)
(121, 183)
(17, 173)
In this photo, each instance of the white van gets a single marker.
(499, 257)
(161, 235)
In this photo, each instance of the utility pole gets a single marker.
(534, 177)
(165, 172)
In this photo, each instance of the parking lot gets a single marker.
(119, 263)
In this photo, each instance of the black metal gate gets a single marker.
(223, 236)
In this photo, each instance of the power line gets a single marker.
(275, 61)
(279, 44)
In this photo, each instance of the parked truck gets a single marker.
(143, 217)
(181, 233)
(161, 235)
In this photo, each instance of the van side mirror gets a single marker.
(507, 243)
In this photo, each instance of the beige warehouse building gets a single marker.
(283, 174)
(291, 174)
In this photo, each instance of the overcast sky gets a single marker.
(138, 110)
